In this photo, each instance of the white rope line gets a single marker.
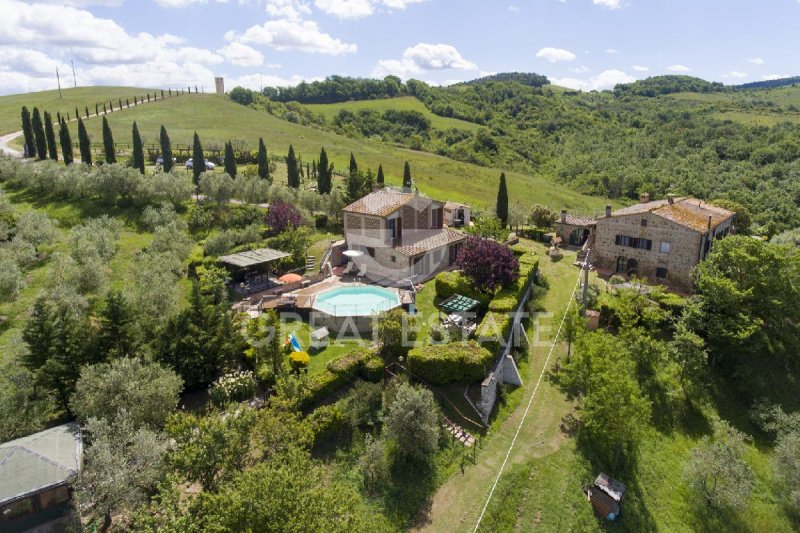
(530, 402)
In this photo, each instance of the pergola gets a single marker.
(252, 258)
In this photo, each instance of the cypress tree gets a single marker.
(27, 132)
(138, 152)
(407, 183)
(166, 150)
(380, 179)
(198, 160)
(162, 94)
(66, 142)
(38, 134)
(353, 164)
(230, 160)
(108, 143)
(324, 171)
(58, 117)
(111, 106)
(502, 200)
(50, 133)
(292, 171)
(77, 115)
(85, 144)
(96, 110)
(127, 103)
(87, 111)
(120, 103)
(263, 162)
(134, 100)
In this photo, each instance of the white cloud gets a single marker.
(288, 9)
(612, 51)
(421, 58)
(640, 68)
(256, 81)
(304, 36)
(581, 69)
(104, 52)
(351, 9)
(241, 55)
(513, 9)
(678, 68)
(605, 80)
(775, 76)
(735, 74)
(610, 4)
(756, 61)
(555, 54)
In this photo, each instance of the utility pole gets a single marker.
(74, 79)
(59, 83)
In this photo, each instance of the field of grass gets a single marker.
(402, 103)
(216, 119)
(81, 97)
(541, 488)
(750, 107)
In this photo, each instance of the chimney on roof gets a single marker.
(671, 199)
(608, 211)
(644, 197)
(563, 216)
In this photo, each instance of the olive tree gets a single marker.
(412, 422)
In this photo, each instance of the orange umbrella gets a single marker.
(290, 278)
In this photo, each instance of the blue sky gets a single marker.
(584, 44)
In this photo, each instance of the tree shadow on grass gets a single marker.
(84, 208)
(413, 482)
(635, 515)
(705, 518)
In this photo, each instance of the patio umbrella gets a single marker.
(290, 278)
(353, 253)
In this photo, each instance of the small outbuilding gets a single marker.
(35, 477)
(606, 495)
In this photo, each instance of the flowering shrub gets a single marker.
(282, 215)
(233, 387)
(489, 264)
(299, 361)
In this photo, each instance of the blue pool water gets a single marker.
(356, 301)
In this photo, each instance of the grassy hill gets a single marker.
(403, 103)
(81, 97)
(761, 107)
(216, 119)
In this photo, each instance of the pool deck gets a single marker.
(305, 297)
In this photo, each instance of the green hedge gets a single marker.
(456, 362)
(449, 283)
(372, 369)
(498, 320)
(326, 422)
(320, 386)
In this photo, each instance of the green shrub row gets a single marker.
(362, 362)
(326, 422)
(449, 283)
(320, 386)
(455, 362)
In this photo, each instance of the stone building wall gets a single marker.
(684, 246)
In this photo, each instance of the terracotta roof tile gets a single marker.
(380, 203)
(424, 241)
(687, 211)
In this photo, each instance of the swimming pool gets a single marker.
(356, 301)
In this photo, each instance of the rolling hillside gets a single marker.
(217, 119)
(82, 97)
(402, 103)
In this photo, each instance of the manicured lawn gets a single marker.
(319, 359)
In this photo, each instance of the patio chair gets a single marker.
(347, 269)
(362, 270)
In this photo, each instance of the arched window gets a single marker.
(621, 263)
(633, 264)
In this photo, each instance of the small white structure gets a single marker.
(320, 338)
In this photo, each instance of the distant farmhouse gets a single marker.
(661, 240)
(403, 234)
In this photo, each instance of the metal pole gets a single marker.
(74, 79)
(586, 278)
(59, 83)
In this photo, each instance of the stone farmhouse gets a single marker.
(403, 235)
(661, 240)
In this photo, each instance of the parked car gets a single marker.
(209, 164)
(160, 160)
